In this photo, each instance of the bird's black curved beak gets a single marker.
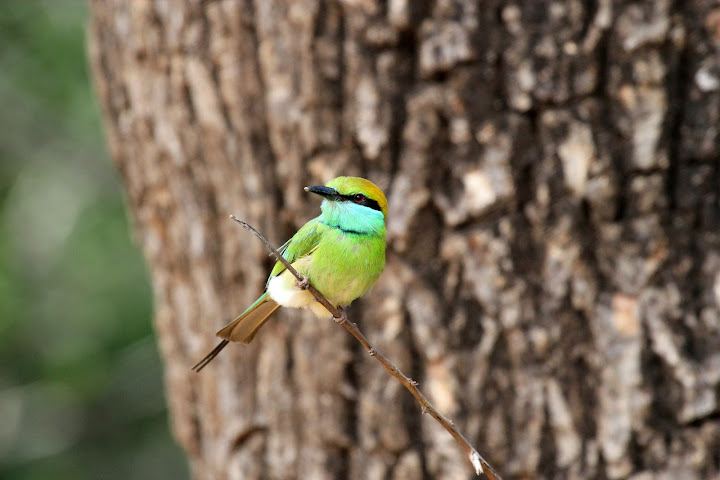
(323, 191)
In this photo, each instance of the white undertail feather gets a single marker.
(286, 292)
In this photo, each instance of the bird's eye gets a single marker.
(359, 197)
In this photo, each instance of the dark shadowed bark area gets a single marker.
(553, 276)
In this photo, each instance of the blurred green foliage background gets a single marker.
(81, 392)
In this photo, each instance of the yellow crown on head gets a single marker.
(354, 185)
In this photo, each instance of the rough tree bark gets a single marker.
(553, 278)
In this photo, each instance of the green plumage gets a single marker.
(344, 265)
(342, 252)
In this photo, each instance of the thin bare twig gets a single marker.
(478, 462)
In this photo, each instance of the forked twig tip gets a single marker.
(248, 227)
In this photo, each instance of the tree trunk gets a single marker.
(553, 275)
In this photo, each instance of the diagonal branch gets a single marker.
(478, 462)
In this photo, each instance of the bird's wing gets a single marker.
(301, 244)
(283, 247)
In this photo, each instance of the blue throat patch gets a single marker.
(352, 218)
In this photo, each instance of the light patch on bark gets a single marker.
(497, 166)
(622, 402)
(561, 261)
(567, 441)
(478, 192)
(528, 417)
(404, 203)
(576, 153)
(647, 108)
(483, 186)
(206, 103)
(444, 44)
(707, 77)
(625, 317)
(638, 26)
(399, 14)
(408, 465)
(441, 386)
(371, 132)
(699, 396)
(524, 82)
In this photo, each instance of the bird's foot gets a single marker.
(304, 283)
(342, 318)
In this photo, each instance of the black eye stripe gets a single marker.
(367, 202)
(371, 203)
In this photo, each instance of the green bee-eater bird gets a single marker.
(341, 252)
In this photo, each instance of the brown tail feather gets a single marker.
(244, 328)
(208, 358)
